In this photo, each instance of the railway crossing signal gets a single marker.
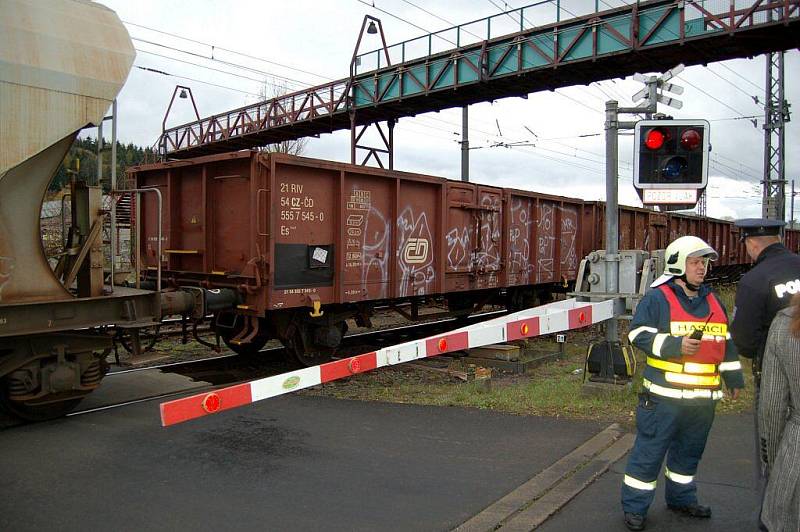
(671, 160)
(654, 84)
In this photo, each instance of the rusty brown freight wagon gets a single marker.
(650, 230)
(311, 243)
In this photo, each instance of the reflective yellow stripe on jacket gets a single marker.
(692, 380)
(681, 394)
(689, 367)
(687, 374)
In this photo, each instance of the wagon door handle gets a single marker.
(262, 193)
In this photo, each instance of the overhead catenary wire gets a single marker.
(517, 143)
(734, 161)
(552, 158)
(236, 52)
(712, 97)
(735, 86)
(228, 63)
(373, 6)
(400, 18)
(257, 80)
(505, 140)
(163, 73)
(732, 71)
(743, 175)
(434, 15)
(261, 81)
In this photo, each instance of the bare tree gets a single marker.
(275, 89)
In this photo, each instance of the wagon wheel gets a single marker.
(297, 353)
(313, 358)
(148, 337)
(229, 332)
(34, 411)
(251, 348)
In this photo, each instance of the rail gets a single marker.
(546, 319)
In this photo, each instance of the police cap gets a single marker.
(759, 227)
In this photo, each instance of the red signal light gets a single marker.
(691, 139)
(655, 138)
(442, 345)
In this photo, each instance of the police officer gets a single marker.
(682, 326)
(765, 289)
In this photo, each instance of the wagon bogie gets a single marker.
(52, 373)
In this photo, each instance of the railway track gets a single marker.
(232, 369)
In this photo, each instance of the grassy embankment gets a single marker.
(554, 389)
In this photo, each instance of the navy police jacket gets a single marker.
(650, 332)
(763, 291)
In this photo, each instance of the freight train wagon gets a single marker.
(650, 230)
(309, 244)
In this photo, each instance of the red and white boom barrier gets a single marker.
(546, 319)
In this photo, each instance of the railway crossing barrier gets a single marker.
(554, 317)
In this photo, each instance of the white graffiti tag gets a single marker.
(487, 257)
(458, 251)
(417, 275)
(520, 266)
(375, 246)
(569, 234)
(546, 243)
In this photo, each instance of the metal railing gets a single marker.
(539, 27)
(138, 247)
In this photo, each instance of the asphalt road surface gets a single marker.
(290, 463)
(311, 463)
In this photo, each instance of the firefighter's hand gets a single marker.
(689, 346)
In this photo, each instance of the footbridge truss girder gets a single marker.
(649, 36)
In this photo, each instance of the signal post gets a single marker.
(605, 353)
(670, 170)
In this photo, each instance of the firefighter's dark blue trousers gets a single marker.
(673, 427)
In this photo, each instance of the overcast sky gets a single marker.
(297, 44)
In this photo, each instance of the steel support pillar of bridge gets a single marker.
(776, 114)
(370, 25)
(373, 153)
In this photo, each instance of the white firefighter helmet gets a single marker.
(676, 254)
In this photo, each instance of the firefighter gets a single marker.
(682, 327)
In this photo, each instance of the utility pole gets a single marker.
(776, 114)
(100, 148)
(612, 215)
(465, 143)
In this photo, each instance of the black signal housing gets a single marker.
(671, 154)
